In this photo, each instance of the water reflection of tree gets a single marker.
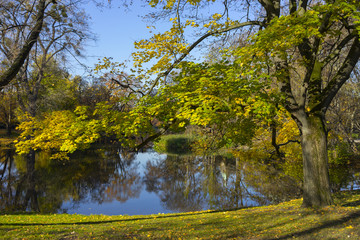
(47, 184)
(343, 176)
(184, 183)
(224, 184)
(227, 188)
(125, 183)
(175, 180)
(18, 191)
(268, 184)
(187, 183)
(7, 176)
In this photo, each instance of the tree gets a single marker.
(343, 114)
(58, 90)
(8, 106)
(61, 29)
(292, 45)
(65, 29)
(34, 16)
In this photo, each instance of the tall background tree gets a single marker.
(26, 18)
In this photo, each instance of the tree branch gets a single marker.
(341, 76)
(338, 49)
(272, 8)
(11, 72)
(289, 141)
(197, 42)
(292, 6)
(125, 86)
(153, 137)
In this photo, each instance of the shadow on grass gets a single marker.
(352, 204)
(325, 225)
(108, 221)
(113, 221)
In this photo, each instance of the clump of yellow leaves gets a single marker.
(65, 131)
(161, 47)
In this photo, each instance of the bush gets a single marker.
(175, 144)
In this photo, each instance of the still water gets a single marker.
(110, 182)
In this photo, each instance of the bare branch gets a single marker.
(126, 85)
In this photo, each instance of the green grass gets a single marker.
(283, 221)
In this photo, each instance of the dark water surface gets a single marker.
(106, 181)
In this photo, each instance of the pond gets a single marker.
(111, 182)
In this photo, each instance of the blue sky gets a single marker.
(116, 30)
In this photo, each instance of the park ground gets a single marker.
(286, 220)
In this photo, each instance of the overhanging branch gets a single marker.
(197, 42)
(153, 137)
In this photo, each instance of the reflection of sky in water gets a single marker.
(146, 203)
(144, 157)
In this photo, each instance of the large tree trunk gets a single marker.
(317, 191)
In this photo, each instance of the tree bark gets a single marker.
(315, 160)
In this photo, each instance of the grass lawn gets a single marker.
(283, 221)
